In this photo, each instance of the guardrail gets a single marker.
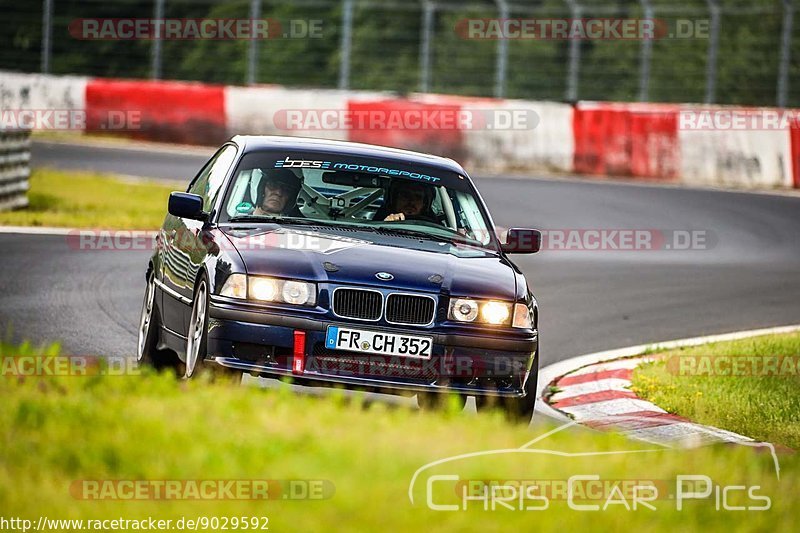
(15, 169)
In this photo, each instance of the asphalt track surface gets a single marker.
(590, 300)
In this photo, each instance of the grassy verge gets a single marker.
(732, 385)
(90, 200)
(58, 432)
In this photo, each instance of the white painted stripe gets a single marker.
(570, 391)
(734, 157)
(601, 410)
(541, 138)
(263, 110)
(42, 92)
(686, 434)
(122, 144)
(46, 230)
(37, 230)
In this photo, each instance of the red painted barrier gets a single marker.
(655, 149)
(424, 126)
(167, 111)
(626, 140)
(795, 140)
(588, 128)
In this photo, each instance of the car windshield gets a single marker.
(323, 189)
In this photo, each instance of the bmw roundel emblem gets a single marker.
(384, 276)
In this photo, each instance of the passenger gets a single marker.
(407, 200)
(278, 192)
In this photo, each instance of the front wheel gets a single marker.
(516, 409)
(197, 340)
(198, 333)
(147, 353)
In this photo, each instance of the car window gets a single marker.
(208, 183)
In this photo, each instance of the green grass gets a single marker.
(56, 430)
(90, 200)
(765, 407)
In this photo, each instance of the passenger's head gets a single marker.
(278, 190)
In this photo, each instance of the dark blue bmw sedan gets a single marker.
(335, 263)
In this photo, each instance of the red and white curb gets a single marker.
(594, 390)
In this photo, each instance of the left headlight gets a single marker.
(491, 312)
(266, 289)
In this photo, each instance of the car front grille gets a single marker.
(358, 304)
(398, 308)
(410, 309)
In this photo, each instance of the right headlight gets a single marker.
(491, 312)
(267, 289)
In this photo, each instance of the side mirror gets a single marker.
(186, 205)
(522, 241)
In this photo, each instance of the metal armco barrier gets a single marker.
(15, 169)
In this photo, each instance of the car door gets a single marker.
(181, 254)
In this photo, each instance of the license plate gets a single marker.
(378, 342)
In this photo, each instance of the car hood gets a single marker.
(355, 257)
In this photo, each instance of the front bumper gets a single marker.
(279, 345)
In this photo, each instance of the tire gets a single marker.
(147, 353)
(430, 401)
(516, 409)
(197, 338)
(196, 364)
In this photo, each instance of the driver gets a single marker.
(407, 200)
(277, 194)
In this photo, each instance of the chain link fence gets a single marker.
(713, 51)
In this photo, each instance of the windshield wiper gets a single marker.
(454, 238)
(297, 221)
(271, 218)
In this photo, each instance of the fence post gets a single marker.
(252, 49)
(155, 50)
(47, 35)
(645, 55)
(574, 64)
(502, 54)
(786, 46)
(428, 8)
(345, 45)
(713, 49)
